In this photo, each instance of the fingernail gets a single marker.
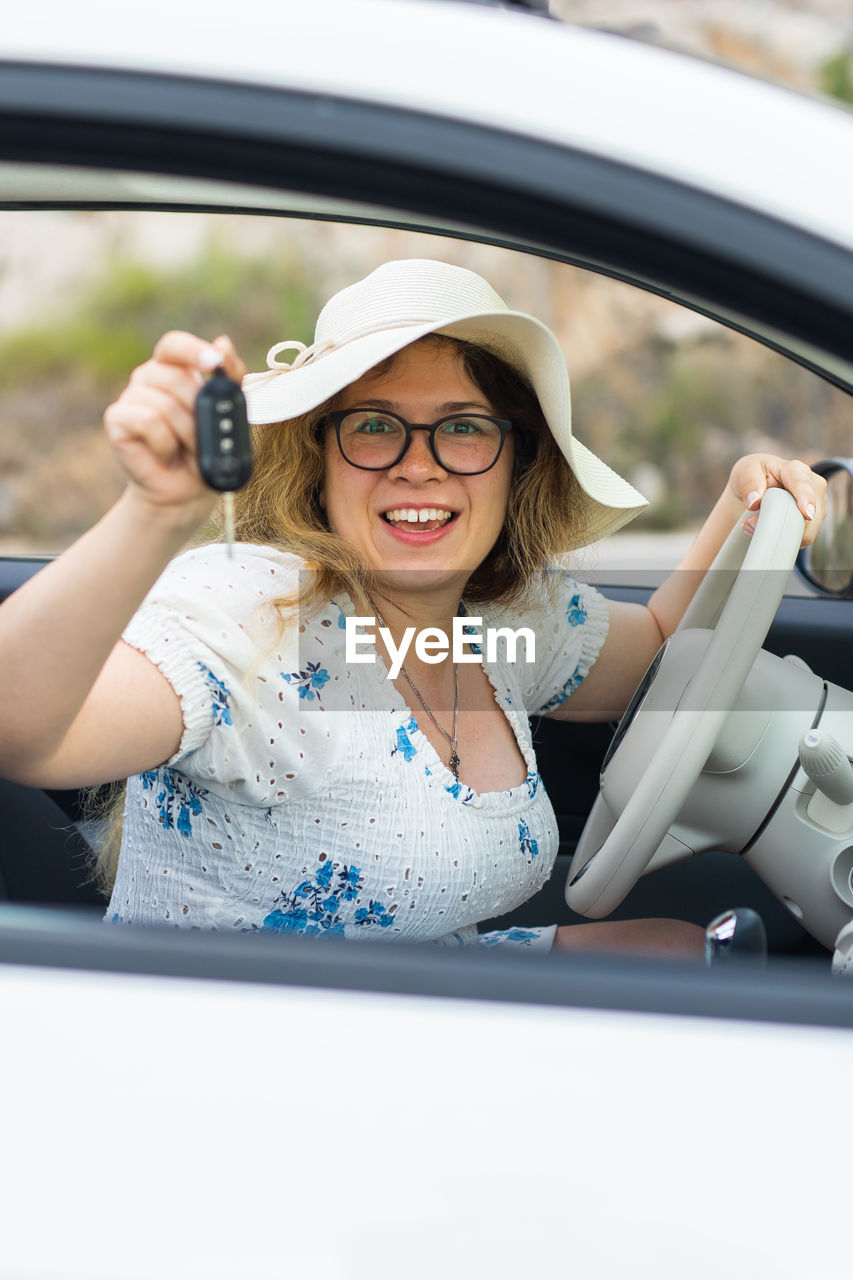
(752, 497)
(810, 511)
(210, 358)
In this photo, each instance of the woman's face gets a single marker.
(427, 381)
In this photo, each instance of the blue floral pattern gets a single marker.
(525, 937)
(404, 745)
(178, 799)
(575, 610)
(526, 842)
(309, 682)
(314, 907)
(574, 681)
(220, 694)
(468, 630)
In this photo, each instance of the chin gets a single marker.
(409, 578)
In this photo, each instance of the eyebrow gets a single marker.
(452, 406)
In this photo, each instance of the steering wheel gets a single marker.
(743, 592)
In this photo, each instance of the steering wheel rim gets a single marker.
(611, 856)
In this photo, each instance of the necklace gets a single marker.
(451, 737)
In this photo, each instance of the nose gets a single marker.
(418, 462)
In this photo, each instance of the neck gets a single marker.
(400, 610)
(401, 623)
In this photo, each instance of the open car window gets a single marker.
(666, 394)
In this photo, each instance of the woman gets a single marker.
(423, 466)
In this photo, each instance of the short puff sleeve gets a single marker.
(208, 627)
(571, 625)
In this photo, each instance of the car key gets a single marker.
(223, 440)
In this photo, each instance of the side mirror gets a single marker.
(827, 565)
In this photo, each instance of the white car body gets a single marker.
(696, 122)
(164, 1127)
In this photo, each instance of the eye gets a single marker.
(375, 425)
(364, 423)
(465, 426)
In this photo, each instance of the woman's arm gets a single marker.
(637, 631)
(78, 705)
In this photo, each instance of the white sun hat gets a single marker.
(402, 301)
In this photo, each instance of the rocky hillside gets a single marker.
(787, 40)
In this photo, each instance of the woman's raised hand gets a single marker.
(79, 706)
(151, 426)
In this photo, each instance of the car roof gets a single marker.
(707, 126)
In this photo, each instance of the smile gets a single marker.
(422, 518)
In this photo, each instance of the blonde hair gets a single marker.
(280, 506)
(103, 810)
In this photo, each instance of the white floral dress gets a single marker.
(303, 797)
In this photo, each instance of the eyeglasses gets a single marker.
(464, 444)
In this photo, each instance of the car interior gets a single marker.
(46, 859)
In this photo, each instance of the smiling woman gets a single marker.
(371, 506)
(416, 465)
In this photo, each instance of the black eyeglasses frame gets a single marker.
(338, 415)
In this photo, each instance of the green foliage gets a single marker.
(658, 408)
(32, 355)
(683, 413)
(836, 77)
(58, 376)
(112, 325)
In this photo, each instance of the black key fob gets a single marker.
(222, 434)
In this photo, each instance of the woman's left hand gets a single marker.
(754, 474)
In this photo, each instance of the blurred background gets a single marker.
(668, 398)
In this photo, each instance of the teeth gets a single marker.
(414, 515)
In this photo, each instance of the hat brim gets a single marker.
(522, 341)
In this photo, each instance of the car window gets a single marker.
(667, 396)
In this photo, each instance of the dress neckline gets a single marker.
(397, 705)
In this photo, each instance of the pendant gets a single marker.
(454, 763)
